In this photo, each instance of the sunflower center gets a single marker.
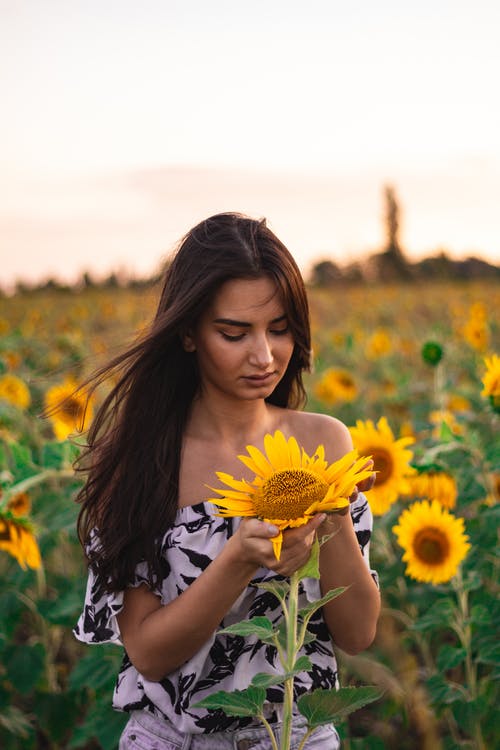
(431, 546)
(5, 534)
(72, 409)
(288, 494)
(382, 464)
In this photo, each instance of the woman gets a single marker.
(220, 367)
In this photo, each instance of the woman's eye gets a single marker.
(280, 331)
(228, 337)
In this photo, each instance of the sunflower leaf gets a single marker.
(326, 706)
(306, 612)
(247, 702)
(277, 637)
(311, 568)
(262, 627)
(280, 589)
(265, 680)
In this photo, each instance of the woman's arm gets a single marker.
(159, 638)
(352, 617)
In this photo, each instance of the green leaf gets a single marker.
(468, 714)
(311, 568)
(278, 635)
(449, 657)
(481, 615)
(262, 627)
(327, 706)
(97, 669)
(473, 581)
(309, 609)
(58, 454)
(64, 609)
(440, 613)
(25, 666)
(442, 691)
(280, 589)
(489, 653)
(262, 679)
(57, 713)
(11, 610)
(22, 460)
(101, 723)
(247, 702)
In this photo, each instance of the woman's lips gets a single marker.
(259, 378)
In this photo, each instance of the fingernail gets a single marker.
(322, 517)
(273, 530)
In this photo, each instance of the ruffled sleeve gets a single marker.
(362, 519)
(98, 623)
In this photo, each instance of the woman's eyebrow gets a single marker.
(243, 324)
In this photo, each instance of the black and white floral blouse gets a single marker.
(225, 662)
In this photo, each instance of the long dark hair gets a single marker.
(132, 457)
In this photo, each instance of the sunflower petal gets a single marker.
(236, 484)
(277, 542)
(277, 450)
(256, 461)
(294, 453)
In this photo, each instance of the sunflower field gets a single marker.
(413, 371)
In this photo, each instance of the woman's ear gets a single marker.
(188, 343)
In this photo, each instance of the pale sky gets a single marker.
(123, 123)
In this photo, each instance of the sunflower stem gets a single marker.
(464, 632)
(29, 482)
(291, 652)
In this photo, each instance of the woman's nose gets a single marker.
(261, 353)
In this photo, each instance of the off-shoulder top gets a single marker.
(225, 662)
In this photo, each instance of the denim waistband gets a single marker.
(241, 739)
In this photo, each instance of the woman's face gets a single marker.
(243, 342)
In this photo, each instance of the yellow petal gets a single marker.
(340, 467)
(236, 484)
(240, 513)
(294, 453)
(276, 448)
(257, 462)
(277, 542)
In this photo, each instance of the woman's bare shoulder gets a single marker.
(312, 429)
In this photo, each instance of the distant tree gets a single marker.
(87, 281)
(325, 273)
(392, 219)
(390, 264)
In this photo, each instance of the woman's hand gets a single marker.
(256, 547)
(365, 484)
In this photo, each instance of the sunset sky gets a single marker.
(124, 123)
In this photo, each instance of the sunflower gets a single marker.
(18, 540)
(379, 344)
(20, 504)
(15, 391)
(455, 402)
(68, 409)
(289, 486)
(476, 333)
(491, 380)
(432, 353)
(336, 385)
(435, 485)
(493, 496)
(391, 461)
(434, 542)
(444, 417)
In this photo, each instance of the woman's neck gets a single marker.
(230, 423)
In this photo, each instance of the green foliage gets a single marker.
(436, 655)
(329, 706)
